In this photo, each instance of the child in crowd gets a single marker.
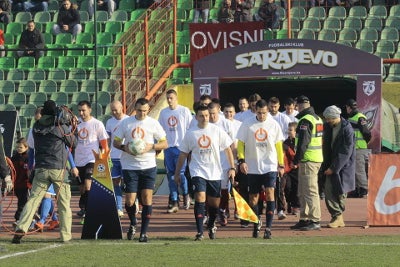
(21, 183)
(291, 175)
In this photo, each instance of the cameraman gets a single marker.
(52, 149)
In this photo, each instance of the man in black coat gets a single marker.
(338, 148)
(31, 41)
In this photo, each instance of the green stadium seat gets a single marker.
(16, 75)
(105, 38)
(48, 38)
(295, 25)
(89, 86)
(373, 23)
(49, 26)
(55, 50)
(184, 58)
(395, 11)
(8, 107)
(110, 86)
(137, 14)
(89, 27)
(393, 22)
(7, 63)
(394, 73)
(312, 23)
(23, 17)
(181, 15)
(306, 34)
(2, 99)
(338, 12)
(107, 62)
(79, 96)
(385, 46)
(161, 14)
(345, 42)
(7, 87)
(97, 109)
(378, 11)
(365, 45)
(353, 23)
(23, 121)
(333, 24)
(391, 34)
(298, 12)
(28, 110)
(63, 38)
(46, 63)
(327, 35)
(9, 39)
(317, 12)
(38, 98)
(102, 74)
(113, 27)
(103, 98)
(77, 74)
(182, 73)
(42, 17)
(66, 63)
(47, 86)
(358, 12)
(102, 16)
(17, 98)
(84, 16)
(77, 50)
(348, 34)
(369, 34)
(15, 28)
(61, 98)
(126, 5)
(36, 75)
(84, 38)
(26, 63)
(57, 74)
(119, 15)
(27, 86)
(69, 86)
(86, 63)
(53, 6)
(2, 75)
(188, 5)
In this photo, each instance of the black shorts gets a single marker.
(211, 188)
(137, 180)
(259, 181)
(85, 172)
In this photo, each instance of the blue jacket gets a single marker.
(340, 157)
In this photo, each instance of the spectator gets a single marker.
(36, 5)
(5, 5)
(268, 12)
(226, 14)
(201, 7)
(290, 109)
(4, 16)
(243, 106)
(31, 41)
(243, 10)
(68, 20)
(17, 6)
(21, 183)
(339, 163)
(105, 5)
(2, 51)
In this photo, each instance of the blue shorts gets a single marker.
(85, 172)
(136, 180)
(51, 191)
(212, 188)
(258, 181)
(116, 170)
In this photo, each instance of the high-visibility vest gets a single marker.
(360, 141)
(314, 148)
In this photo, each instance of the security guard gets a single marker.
(308, 159)
(363, 136)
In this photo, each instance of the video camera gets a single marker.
(64, 116)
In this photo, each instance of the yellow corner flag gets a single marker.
(243, 209)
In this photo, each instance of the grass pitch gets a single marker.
(285, 251)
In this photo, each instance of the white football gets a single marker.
(137, 146)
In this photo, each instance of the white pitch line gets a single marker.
(161, 242)
(29, 251)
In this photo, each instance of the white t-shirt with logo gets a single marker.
(89, 135)
(227, 126)
(283, 120)
(175, 122)
(260, 139)
(149, 130)
(111, 126)
(205, 145)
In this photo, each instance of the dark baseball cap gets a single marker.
(49, 108)
(302, 99)
(351, 103)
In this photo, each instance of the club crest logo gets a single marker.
(101, 168)
(369, 87)
(205, 89)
